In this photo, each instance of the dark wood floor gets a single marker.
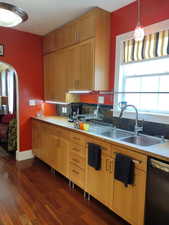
(31, 195)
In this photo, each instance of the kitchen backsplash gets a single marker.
(106, 115)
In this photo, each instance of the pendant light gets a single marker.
(11, 15)
(139, 31)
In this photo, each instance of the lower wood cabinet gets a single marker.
(66, 152)
(98, 181)
(128, 202)
(50, 145)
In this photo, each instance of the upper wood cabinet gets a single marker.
(85, 27)
(49, 42)
(55, 76)
(77, 56)
(81, 66)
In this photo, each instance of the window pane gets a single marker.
(164, 84)
(148, 102)
(163, 105)
(133, 99)
(147, 67)
(149, 84)
(132, 84)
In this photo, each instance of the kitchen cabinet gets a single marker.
(49, 42)
(66, 152)
(55, 76)
(51, 144)
(86, 25)
(70, 35)
(77, 160)
(98, 181)
(81, 56)
(81, 66)
(128, 202)
(78, 30)
(36, 138)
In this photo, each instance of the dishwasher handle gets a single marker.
(159, 165)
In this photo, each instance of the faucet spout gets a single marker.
(136, 128)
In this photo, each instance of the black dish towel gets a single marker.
(94, 156)
(124, 169)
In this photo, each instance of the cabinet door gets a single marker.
(49, 76)
(128, 202)
(60, 83)
(73, 68)
(49, 42)
(55, 76)
(87, 27)
(97, 181)
(36, 138)
(59, 36)
(86, 74)
(70, 34)
(61, 163)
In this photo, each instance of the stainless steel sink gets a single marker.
(117, 134)
(142, 140)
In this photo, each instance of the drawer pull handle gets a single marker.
(104, 149)
(74, 171)
(107, 161)
(76, 138)
(135, 161)
(77, 161)
(76, 149)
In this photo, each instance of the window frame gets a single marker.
(148, 116)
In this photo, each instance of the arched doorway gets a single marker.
(9, 109)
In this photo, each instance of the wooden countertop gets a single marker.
(160, 151)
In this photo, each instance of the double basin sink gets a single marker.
(123, 135)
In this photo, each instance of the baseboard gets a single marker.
(24, 155)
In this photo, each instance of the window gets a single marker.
(142, 71)
(144, 84)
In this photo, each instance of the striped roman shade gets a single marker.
(152, 46)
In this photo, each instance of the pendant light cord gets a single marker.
(138, 13)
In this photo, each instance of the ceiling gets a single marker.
(46, 15)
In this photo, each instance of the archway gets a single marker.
(9, 106)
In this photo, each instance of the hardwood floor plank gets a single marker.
(30, 195)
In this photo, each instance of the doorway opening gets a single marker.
(9, 111)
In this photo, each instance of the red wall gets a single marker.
(124, 20)
(24, 52)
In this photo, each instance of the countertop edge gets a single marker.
(139, 149)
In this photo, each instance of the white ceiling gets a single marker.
(46, 15)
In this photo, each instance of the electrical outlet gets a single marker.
(101, 100)
(63, 109)
(32, 102)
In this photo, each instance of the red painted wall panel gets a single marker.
(124, 20)
(24, 52)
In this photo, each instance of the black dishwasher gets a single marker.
(157, 201)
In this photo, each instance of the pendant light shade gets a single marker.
(139, 30)
(11, 15)
(139, 33)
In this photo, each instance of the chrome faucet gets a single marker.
(137, 128)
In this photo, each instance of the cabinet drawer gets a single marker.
(78, 149)
(77, 175)
(77, 139)
(78, 160)
(139, 159)
(105, 147)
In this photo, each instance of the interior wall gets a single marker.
(124, 20)
(23, 51)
